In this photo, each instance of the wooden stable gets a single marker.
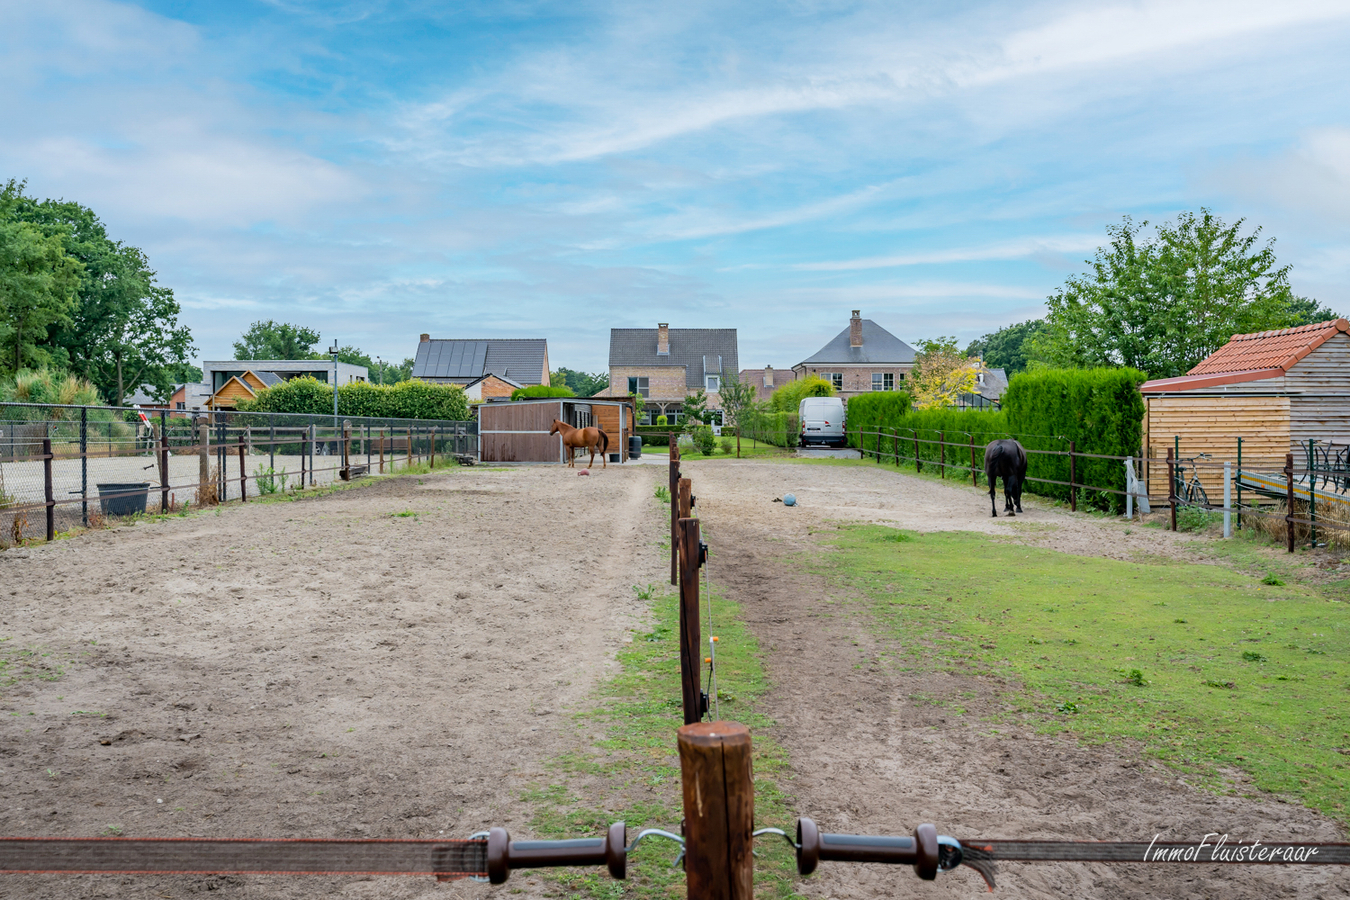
(518, 431)
(1275, 389)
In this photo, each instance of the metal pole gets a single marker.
(84, 465)
(163, 471)
(243, 474)
(1073, 494)
(1239, 483)
(1289, 500)
(1172, 486)
(47, 487)
(1129, 497)
(1227, 499)
(674, 511)
(313, 439)
(1312, 490)
(272, 443)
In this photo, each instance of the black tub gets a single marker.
(123, 499)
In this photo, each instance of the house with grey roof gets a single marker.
(523, 361)
(864, 357)
(665, 365)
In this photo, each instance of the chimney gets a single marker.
(855, 330)
(768, 376)
(662, 339)
(425, 338)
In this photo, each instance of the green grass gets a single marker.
(628, 749)
(1207, 668)
(22, 663)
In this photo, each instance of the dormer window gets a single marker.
(714, 383)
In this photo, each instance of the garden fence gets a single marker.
(63, 466)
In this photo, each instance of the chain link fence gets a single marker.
(68, 466)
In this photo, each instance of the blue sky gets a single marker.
(379, 169)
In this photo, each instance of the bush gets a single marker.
(788, 397)
(704, 440)
(929, 426)
(541, 390)
(405, 400)
(727, 444)
(49, 386)
(777, 428)
(661, 421)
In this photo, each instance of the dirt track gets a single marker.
(871, 759)
(331, 668)
(322, 668)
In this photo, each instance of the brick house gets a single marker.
(665, 365)
(864, 357)
(766, 380)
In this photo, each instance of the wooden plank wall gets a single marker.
(1326, 370)
(607, 418)
(528, 417)
(1212, 425)
(542, 448)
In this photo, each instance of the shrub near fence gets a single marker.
(405, 400)
(777, 428)
(1099, 410)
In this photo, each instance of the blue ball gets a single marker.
(789, 500)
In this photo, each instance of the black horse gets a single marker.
(1007, 459)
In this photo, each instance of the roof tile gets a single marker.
(1267, 350)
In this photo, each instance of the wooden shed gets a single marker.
(518, 431)
(1276, 390)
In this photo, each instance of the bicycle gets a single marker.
(1191, 493)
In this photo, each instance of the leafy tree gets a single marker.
(583, 384)
(1163, 304)
(1006, 348)
(186, 373)
(122, 330)
(942, 373)
(278, 340)
(38, 281)
(1303, 311)
(738, 398)
(696, 410)
(788, 397)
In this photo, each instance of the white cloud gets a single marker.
(1020, 248)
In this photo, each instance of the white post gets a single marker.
(1129, 497)
(1227, 499)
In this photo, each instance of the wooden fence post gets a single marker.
(243, 475)
(974, 473)
(1288, 500)
(431, 446)
(304, 441)
(381, 451)
(719, 810)
(346, 472)
(686, 498)
(942, 454)
(674, 510)
(164, 470)
(1073, 494)
(47, 488)
(691, 641)
(914, 434)
(204, 457)
(1172, 486)
(409, 448)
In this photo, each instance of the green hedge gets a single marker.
(1100, 410)
(405, 400)
(780, 429)
(541, 390)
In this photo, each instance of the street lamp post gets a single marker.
(334, 350)
(381, 362)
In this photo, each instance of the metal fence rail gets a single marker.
(67, 466)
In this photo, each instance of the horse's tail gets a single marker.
(604, 440)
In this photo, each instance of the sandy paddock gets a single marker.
(329, 667)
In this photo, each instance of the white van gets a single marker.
(822, 421)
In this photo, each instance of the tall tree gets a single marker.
(122, 332)
(38, 282)
(1304, 311)
(1165, 303)
(583, 384)
(1007, 348)
(277, 340)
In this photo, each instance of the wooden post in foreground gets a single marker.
(381, 451)
(1172, 486)
(719, 810)
(691, 640)
(685, 500)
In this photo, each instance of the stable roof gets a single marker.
(1252, 357)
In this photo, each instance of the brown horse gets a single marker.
(592, 439)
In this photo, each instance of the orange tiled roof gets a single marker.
(1266, 350)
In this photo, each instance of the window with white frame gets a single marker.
(883, 381)
(713, 383)
(834, 378)
(637, 384)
